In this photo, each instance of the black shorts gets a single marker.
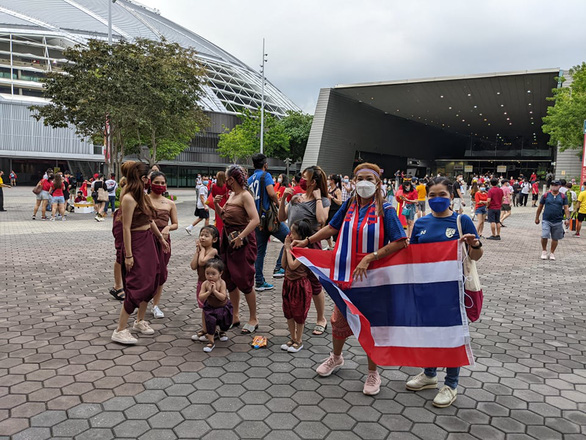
(202, 213)
(494, 216)
(581, 217)
(535, 197)
(506, 207)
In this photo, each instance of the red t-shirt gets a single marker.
(480, 197)
(58, 192)
(46, 185)
(495, 194)
(296, 190)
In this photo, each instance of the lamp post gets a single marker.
(110, 21)
(262, 98)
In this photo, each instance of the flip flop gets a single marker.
(249, 329)
(319, 330)
(116, 294)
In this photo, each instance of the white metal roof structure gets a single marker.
(33, 34)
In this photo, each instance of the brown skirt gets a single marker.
(164, 260)
(141, 282)
(239, 272)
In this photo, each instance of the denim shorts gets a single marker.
(58, 199)
(481, 210)
(555, 231)
(411, 215)
(45, 195)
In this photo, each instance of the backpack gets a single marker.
(269, 218)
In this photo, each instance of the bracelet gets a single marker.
(308, 241)
(129, 256)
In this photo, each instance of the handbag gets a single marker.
(102, 194)
(269, 218)
(406, 210)
(473, 295)
(38, 188)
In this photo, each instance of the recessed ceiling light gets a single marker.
(529, 103)
(469, 94)
(498, 93)
(502, 105)
(528, 91)
(463, 120)
(508, 119)
(479, 114)
(441, 96)
(475, 106)
(505, 112)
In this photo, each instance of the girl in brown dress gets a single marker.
(140, 269)
(238, 244)
(165, 210)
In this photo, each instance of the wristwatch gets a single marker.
(375, 253)
(477, 247)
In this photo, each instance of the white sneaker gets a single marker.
(551, 256)
(421, 382)
(188, 229)
(52, 219)
(208, 348)
(123, 337)
(157, 313)
(544, 255)
(143, 327)
(445, 397)
(285, 346)
(372, 384)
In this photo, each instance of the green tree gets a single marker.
(565, 119)
(244, 139)
(297, 125)
(148, 90)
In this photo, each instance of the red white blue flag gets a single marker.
(409, 310)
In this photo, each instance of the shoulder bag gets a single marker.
(102, 194)
(473, 296)
(269, 218)
(38, 188)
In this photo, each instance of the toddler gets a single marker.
(297, 289)
(217, 308)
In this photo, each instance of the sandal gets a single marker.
(222, 336)
(116, 293)
(235, 324)
(249, 329)
(208, 348)
(285, 347)
(296, 347)
(319, 330)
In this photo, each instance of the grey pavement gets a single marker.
(61, 377)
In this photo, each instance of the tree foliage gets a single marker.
(149, 91)
(286, 137)
(244, 139)
(297, 125)
(565, 120)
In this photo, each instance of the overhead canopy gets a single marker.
(507, 104)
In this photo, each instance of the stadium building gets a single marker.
(33, 35)
(466, 124)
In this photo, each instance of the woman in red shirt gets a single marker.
(220, 189)
(43, 197)
(57, 197)
(481, 202)
(407, 197)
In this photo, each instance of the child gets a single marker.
(296, 288)
(207, 247)
(217, 308)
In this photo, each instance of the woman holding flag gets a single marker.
(443, 225)
(368, 229)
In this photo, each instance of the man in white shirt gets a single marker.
(202, 211)
(111, 187)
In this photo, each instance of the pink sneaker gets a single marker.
(331, 364)
(372, 384)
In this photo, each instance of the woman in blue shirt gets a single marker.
(442, 225)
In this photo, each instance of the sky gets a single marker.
(312, 44)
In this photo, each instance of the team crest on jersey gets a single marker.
(450, 232)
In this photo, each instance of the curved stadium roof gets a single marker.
(60, 23)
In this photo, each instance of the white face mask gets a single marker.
(365, 189)
(279, 180)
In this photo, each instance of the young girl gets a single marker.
(297, 291)
(207, 247)
(217, 309)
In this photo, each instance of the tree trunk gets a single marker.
(154, 148)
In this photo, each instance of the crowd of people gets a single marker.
(311, 210)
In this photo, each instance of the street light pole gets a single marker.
(262, 102)
(110, 22)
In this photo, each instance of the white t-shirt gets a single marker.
(202, 191)
(525, 188)
(111, 185)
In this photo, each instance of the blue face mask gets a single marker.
(205, 182)
(439, 204)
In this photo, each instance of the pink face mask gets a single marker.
(158, 189)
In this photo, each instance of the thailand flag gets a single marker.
(409, 311)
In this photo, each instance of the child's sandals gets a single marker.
(295, 347)
(208, 348)
(287, 345)
(222, 336)
(199, 336)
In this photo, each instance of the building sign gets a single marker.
(468, 168)
(501, 169)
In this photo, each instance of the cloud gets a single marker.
(320, 43)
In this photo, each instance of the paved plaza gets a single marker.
(62, 378)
